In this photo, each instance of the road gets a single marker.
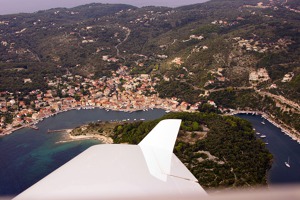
(126, 38)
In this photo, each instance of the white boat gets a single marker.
(287, 163)
(267, 142)
(257, 133)
(167, 111)
(263, 136)
(263, 122)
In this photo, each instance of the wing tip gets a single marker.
(166, 130)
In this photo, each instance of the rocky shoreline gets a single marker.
(292, 133)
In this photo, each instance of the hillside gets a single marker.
(221, 152)
(198, 52)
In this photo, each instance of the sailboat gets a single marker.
(287, 163)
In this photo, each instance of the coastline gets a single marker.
(71, 138)
(102, 138)
(292, 133)
(34, 122)
(9, 131)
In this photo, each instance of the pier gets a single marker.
(34, 127)
(58, 131)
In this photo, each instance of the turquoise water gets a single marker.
(27, 155)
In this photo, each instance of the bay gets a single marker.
(282, 147)
(27, 155)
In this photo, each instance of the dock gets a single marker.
(34, 127)
(58, 131)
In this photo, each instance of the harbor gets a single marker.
(291, 132)
(27, 155)
(38, 153)
(283, 148)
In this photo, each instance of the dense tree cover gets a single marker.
(57, 35)
(12, 78)
(78, 38)
(239, 158)
(235, 99)
(181, 90)
(249, 100)
(292, 89)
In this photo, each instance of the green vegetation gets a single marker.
(238, 158)
(12, 79)
(95, 128)
(76, 40)
(249, 100)
(236, 39)
(181, 90)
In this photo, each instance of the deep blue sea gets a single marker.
(282, 147)
(28, 155)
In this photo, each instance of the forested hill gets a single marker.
(214, 44)
(219, 151)
(198, 52)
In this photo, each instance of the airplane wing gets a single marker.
(119, 171)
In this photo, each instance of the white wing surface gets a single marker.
(118, 171)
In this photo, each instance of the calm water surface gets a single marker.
(27, 155)
(282, 147)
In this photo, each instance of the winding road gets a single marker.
(126, 38)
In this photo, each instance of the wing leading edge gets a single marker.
(145, 171)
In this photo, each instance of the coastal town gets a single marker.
(122, 92)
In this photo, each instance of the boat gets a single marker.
(267, 142)
(287, 163)
(257, 133)
(167, 111)
(263, 136)
(34, 127)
